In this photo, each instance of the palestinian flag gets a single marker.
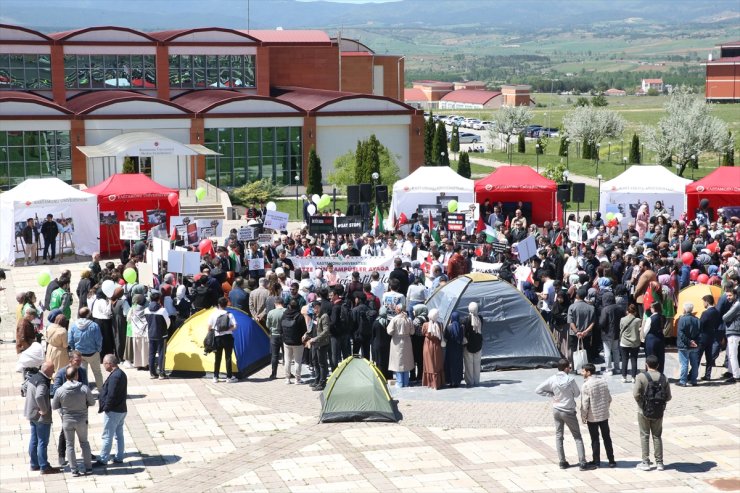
(378, 221)
(481, 226)
(491, 234)
(433, 230)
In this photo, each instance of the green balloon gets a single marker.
(452, 205)
(44, 278)
(325, 201)
(129, 275)
(200, 193)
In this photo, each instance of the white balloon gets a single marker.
(271, 206)
(311, 209)
(108, 288)
(315, 198)
(618, 216)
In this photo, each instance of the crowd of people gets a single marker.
(609, 291)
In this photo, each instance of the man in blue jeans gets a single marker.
(112, 402)
(158, 321)
(688, 347)
(38, 412)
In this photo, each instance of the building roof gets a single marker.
(199, 101)
(21, 33)
(653, 81)
(297, 36)
(614, 90)
(414, 95)
(174, 34)
(29, 97)
(727, 60)
(90, 101)
(71, 34)
(730, 44)
(305, 98)
(433, 83)
(471, 96)
(356, 53)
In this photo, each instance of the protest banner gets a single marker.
(129, 230)
(264, 239)
(276, 220)
(320, 224)
(485, 267)
(256, 263)
(348, 225)
(245, 233)
(344, 266)
(455, 222)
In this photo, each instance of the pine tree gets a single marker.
(541, 146)
(429, 140)
(455, 140)
(360, 161)
(728, 157)
(440, 154)
(128, 165)
(586, 153)
(520, 144)
(463, 165)
(314, 174)
(634, 157)
(563, 150)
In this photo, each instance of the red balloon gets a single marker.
(714, 281)
(206, 247)
(687, 258)
(173, 198)
(694, 274)
(703, 278)
(402, 219)
(613, 223)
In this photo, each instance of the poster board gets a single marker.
(264, 239)
(456, 222)
(256, 263)
(160, 247)
(348, 224)
(574, 232)
(209, 227)
(276, 220)
(129, 230)
(146, 274)
(526, 248)
(320, 224)
(245, 233)
(185, 263)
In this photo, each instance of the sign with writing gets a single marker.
(245, 233)
(276, 220)
(443, 200)
(256, 264)
(479, 266)
(470, 209)
(129, 230)
(344, 266)
(264, 239)
(320, 224)
(499, 247)
(455, 222)
(574, 232)
(348, 224)
(424, 209)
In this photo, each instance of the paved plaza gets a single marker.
(261, 435)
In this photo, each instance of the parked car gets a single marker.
(546, 132)
(481, 125)
(530, 129)
(467, 138)
(470, 122)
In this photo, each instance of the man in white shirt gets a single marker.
(391, 250)
(377, 287)
(370, 248)
(547, 296)
(409, 247)
(223, 324)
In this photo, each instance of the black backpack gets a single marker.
(223, 323)
(655, 397)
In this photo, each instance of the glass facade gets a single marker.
(34, 154)
(211, 71)
(25, 71)
(250, 154)
(110, 72)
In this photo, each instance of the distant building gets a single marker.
(615, 92)
(470, 99)
(723, 74)
(517, 95)
(647, 84)
(471, 95)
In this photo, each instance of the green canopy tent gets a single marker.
(356, 391)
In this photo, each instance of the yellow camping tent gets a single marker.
(694, 294)
(185, 348)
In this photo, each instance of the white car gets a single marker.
(484, 125)
(470, 122)
(469, 138)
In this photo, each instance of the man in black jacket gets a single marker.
(709, 326)
(338, 326)
(158, 321)
(112, 402)
(49, 231)
(401, 274)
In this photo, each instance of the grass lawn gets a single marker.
(289, 206)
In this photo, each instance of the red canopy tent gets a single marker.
(131, 197)
(721, 187)
(521, 183)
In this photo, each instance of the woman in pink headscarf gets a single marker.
(642, 220)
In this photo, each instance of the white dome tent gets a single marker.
(639, 184)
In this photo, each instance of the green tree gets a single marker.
(563, 150)
(599, 101)
(521, 146)
(368, 160)
(314, 173)
(440, 154)
(128, 165)
(728, 157)
(463, 165)
(541, 146)
(585, 149)
(345, 172)
(582, 101)
(429, 140)
(634, 157)
(455, 140)
(554, 171)
(256, 192)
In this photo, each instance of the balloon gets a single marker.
(687, 258)
(44, 278)
(200, 193)
(311, 209)
(609, 216)
(108, 287)
(325, 201)
(315, 198)
(129, 275)
(271, 206)
(613, 223)
(618, 216)
(173, 198)
(452, 205)
(703, 278)
(694, 274)
(205, 247)
(402, 219)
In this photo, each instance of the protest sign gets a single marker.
(443, 200)
(344, 266)
(264, 239)
(145, 274)
(129, 230)
(185, 263)
(320, 224)
(256, 264)
(276, 220)
(479, 266)
(527, 248)
(455, 222)
(574, 231)
(348, 225)
(245, 233)
(160, 248)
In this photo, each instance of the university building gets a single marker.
(723, 75)
(229, 106)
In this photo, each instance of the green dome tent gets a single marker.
(514, 333)
(356, 391)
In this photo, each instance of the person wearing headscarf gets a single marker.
(401, 356)
(420, 317)
(182, 305)
(473, 343)
(119, 309)
(139, 332)
(454, 354)
(381, 342)
(56, 338)
(642, 220)
(433, 376)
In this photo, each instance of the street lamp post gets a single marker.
(599, 177)
(609, 152)
(598, 146)
(624, 160)
(693, 164)
(297, 216)
(537, 154)
(567, 151)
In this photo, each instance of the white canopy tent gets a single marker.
(640, 184)
(424, 185)
(35, 198)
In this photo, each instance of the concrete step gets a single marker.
(202, 211)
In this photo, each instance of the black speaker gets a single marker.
(366, 193)
(381, 194)
(563, 192)
(579, 192)
(353, 194)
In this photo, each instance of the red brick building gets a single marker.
(723, 75)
